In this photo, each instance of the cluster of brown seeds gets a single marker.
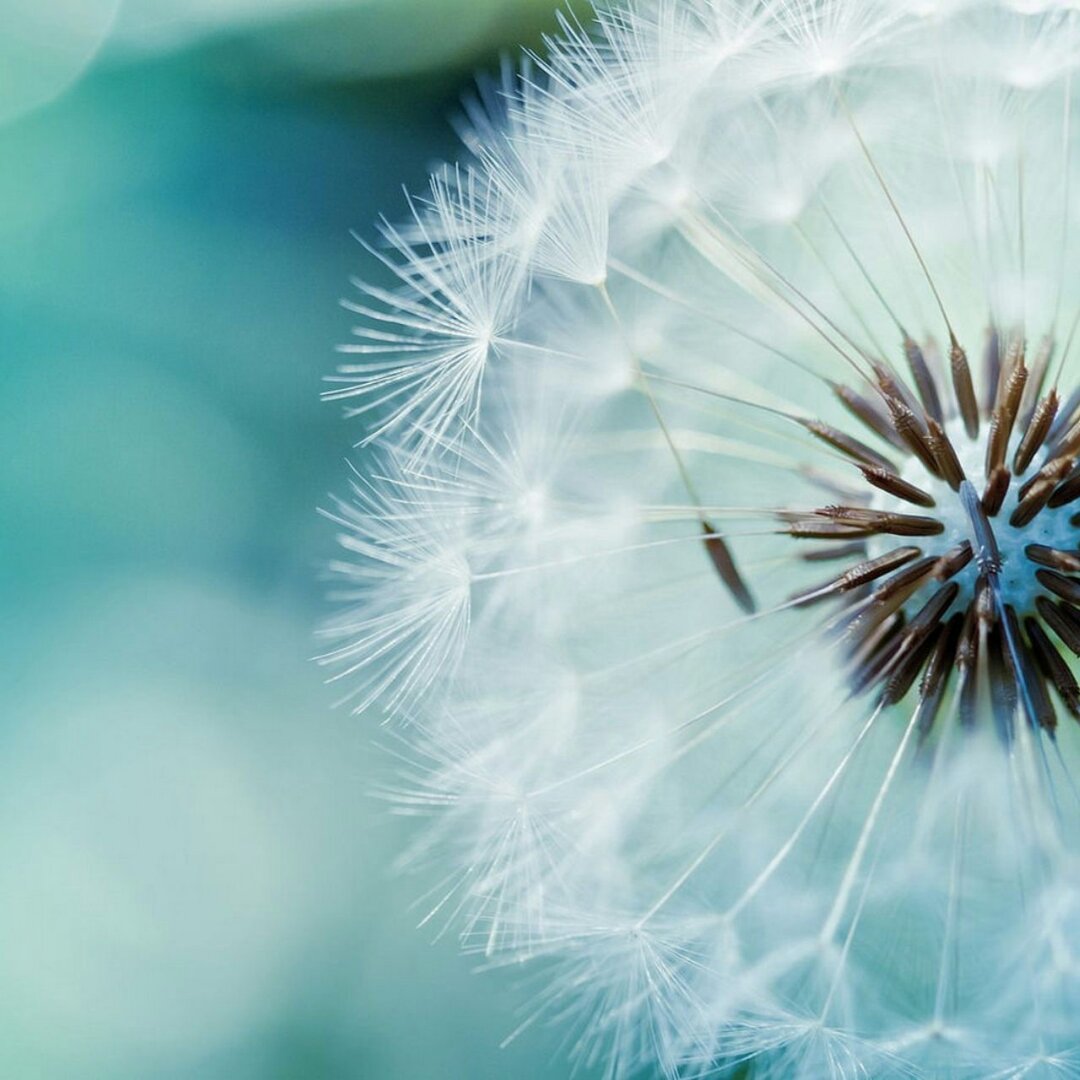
(907, 613)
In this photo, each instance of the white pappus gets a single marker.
(714, 557)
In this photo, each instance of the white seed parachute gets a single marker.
(723, 290)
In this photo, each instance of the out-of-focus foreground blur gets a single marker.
(194, 876)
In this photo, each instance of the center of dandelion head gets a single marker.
(959, 551)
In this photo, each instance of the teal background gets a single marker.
(194, 877)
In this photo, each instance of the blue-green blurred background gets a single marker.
(194, 877)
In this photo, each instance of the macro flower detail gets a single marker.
(1006, 556)
(714, 554)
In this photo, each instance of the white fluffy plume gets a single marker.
(605, 395)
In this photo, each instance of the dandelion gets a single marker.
(716, 559)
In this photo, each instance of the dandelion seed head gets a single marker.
(713, 563)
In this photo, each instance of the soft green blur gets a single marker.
(194, 877)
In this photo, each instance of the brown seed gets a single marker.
(935, 678)
(892, 387)
(1004, 415)
(1035, 494)
(885, 600)
(1012, 358)
(996, 489)
(871, 652)
(918, 637)
(726, 568)
(1053, 666)
(1037, 370)
(913, 432)
(967, 658)
(1057, 618)
(852, 448)
(945, 454)
(929, 615)
(1036, 700)
(1002, 681)
(884, 521)
(903, 583)
(1066, 416)
(991, 368)
(865, 411)
(872, 569)
(963, 388)
(924, 381)
(984, 607)
(1028, 507)
(895, 485)
(811, 528)
(1068, 443)
(1038, 426)
(1056, 469)
(908, 666)
(953, 561)
(1065, 587)
(1067, 562)
(857, 575)
(1066, 492)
